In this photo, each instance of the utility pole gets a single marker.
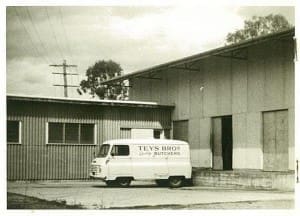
(64, 73)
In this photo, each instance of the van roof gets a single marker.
(145, 141)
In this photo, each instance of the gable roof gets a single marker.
(189, 59)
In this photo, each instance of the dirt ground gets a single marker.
(18, 201)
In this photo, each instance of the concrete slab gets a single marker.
(95, 195)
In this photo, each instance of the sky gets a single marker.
(136, 37)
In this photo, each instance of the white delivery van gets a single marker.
(121, 161)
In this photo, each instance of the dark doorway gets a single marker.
(181, 130)
(222, 143)
(227, 142)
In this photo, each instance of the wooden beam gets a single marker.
(232, 57)
(186, 68)
(129, 86)
(152, 78)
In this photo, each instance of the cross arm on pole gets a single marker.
(66, 73)
(55, 65)
(66, 85)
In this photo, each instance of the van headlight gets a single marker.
(96, 168)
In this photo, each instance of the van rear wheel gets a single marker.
(175, 181)
(124, 182)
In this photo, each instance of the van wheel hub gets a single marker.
(124, 182)
(175, 181)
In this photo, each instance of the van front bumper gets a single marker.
(97, 177)
(96, 172)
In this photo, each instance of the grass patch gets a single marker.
(18, 201)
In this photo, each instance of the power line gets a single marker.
(65, 34)
(53, 32)
(36, 52)
(37, 33)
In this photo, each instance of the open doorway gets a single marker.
(222, 143)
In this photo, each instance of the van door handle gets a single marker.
(106, 162)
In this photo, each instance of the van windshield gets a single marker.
(103, 150)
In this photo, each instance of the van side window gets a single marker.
(120, 150)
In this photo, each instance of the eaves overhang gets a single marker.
(213, 52)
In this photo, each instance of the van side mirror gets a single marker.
(112, 154)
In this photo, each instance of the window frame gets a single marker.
(117, 145)
(79, 133)
(20, 133)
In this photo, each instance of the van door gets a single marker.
(119, 163)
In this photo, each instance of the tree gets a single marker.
(259, 26)
(103, 70)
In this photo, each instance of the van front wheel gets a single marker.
(175, 181)
(162, 182)
(111, 183)
(124, 182)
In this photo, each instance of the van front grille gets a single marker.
(95, 168)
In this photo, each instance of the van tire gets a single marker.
(111, 183)
(175, 181)
(162, 182)
(124, 182)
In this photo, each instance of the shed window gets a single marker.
(14, 131)
(120, 150)
(161, 134)
(71, 133)
(86, 133)
(55, 133)
(156, 134)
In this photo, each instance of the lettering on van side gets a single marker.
(163, 150)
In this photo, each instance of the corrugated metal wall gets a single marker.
(243, 88)
(33, 159)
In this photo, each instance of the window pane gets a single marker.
(120, 150)
(72, 133)
(87, 133)
(103, 150)
(55, 133)
(156, 134)
(12, 131)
